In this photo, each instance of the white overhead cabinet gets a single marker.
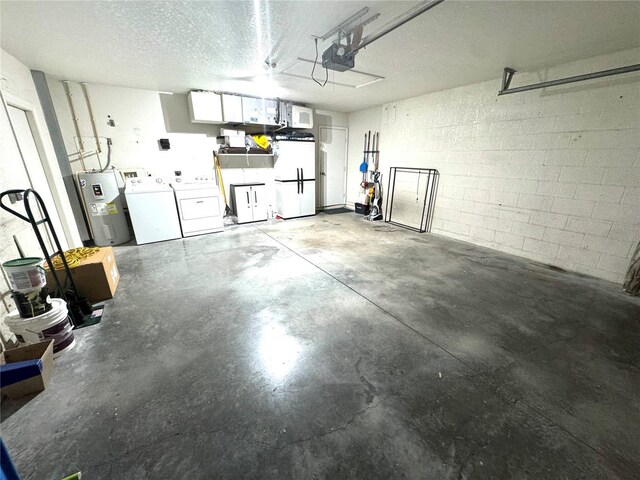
(205, 107)
(259, 111)
(211, 107)
(231, 108)
(249, 202)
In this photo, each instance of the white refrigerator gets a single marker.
(295, 175)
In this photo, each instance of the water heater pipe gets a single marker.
(91, 117)
(74, 117)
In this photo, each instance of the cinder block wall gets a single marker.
(552, 175)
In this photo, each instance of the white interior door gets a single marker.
(333, 166)
(33, 164)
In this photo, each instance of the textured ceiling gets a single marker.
(178, 46)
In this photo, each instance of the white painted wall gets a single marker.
(12, 175)
(360, 123)
(325, 118)
(551, 175)
(17, 88)
(141, 118)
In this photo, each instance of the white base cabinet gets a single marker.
(249, 202)
(295, 198)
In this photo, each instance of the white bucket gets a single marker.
(25, 274)
(54, 324)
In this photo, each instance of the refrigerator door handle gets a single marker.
(302, 180)
(248, 200)
(298, 179)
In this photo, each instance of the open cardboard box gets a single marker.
(36, 366)
(96, 277)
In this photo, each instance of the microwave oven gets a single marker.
(301, 117)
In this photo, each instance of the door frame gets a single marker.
(346, 166)
(9, 99)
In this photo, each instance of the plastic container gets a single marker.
(362, 209)
(25, 274)
(28, 282)
(54, 324)
(32, 304)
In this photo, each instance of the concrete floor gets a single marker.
(330, 347)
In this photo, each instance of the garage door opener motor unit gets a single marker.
(342, 57)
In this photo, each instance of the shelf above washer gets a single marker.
(246, 160)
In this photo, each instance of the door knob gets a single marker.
(322, 173)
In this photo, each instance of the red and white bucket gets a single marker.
(54, 324)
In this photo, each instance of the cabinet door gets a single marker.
(244, 210)
(271, 112)
(232, 108)
(288, 199)
(308, 198)
(292, 156)
(307, 158)
(259, 198)
(253, 110)
(205, 107)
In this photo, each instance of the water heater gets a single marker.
(103, 207)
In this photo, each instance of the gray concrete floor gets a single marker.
(329, 347)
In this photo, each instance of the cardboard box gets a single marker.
(96, 277)
(227, 132)
(30, 368)
(231, 141)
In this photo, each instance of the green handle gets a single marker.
(75, 476)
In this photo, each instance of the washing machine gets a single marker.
(153, 211)
(200, 207)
